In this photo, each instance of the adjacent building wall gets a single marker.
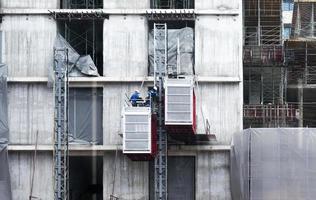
(212, 176)
(125, 46)
(131, 178)
(126, 4)
(31, 110)
(29, 4)
(218, 4)
(29, 42)
(21, 165)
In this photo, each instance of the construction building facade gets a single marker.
(204, 36)
(70, 128)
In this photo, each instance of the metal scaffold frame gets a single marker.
(61, 152)
(160, 65)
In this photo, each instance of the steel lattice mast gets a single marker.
(61, 159)
(160, 66)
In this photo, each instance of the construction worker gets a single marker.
(135, 98)
(150, 94)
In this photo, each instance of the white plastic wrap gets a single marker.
(180, 44)
(274, 164)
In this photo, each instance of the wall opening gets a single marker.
(81, 4)
(86, 178)
(86, 115)
(181, 178)
(86, 37)
(172, 4)
(181, 47)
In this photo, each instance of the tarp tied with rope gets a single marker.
(5, 185)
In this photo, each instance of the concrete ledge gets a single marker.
(104, 148)
(87, 80)
(12, 11)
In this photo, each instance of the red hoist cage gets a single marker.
(180, 107)
(139, 133)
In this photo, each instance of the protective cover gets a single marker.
(4, 128)
(85, 115)
(274, 163)
(183, 37)
(78, 66)
(5, 185)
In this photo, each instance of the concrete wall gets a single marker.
(28, 44)
(221, 105)
(29, 4)
(217, 46)
(218, 4)
(21, 165)
(212, 176)
(126, 4)
(131, 182)
(125, 47)
(31, 109)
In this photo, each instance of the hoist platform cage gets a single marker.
(180, 106)
(139, 133)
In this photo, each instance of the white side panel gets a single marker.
(137, 130)
(178, 102)
(125, 46)
(29, 44)
(31, 109)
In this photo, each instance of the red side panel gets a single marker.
(154, 147)
(194, 113)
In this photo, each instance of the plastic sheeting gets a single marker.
(78, 66)
(4, 127)
(182, 39)
(274, 164)
(85, 115)
(5, 185)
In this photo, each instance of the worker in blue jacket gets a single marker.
(135, 98)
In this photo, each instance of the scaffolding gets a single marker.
(303, 22)
(270, 115)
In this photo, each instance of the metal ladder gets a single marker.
(61, 159)
(160, 64)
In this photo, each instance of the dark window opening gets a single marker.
(172, 4)
(181, 47)
(81, 4)
(86, 115)
(86, 37)
(181, 178)
(86, 178)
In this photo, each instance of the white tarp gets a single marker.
(180, 47)
(5, 185)
(274, 164)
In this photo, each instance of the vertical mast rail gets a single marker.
(61, 158)
(160, 66)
